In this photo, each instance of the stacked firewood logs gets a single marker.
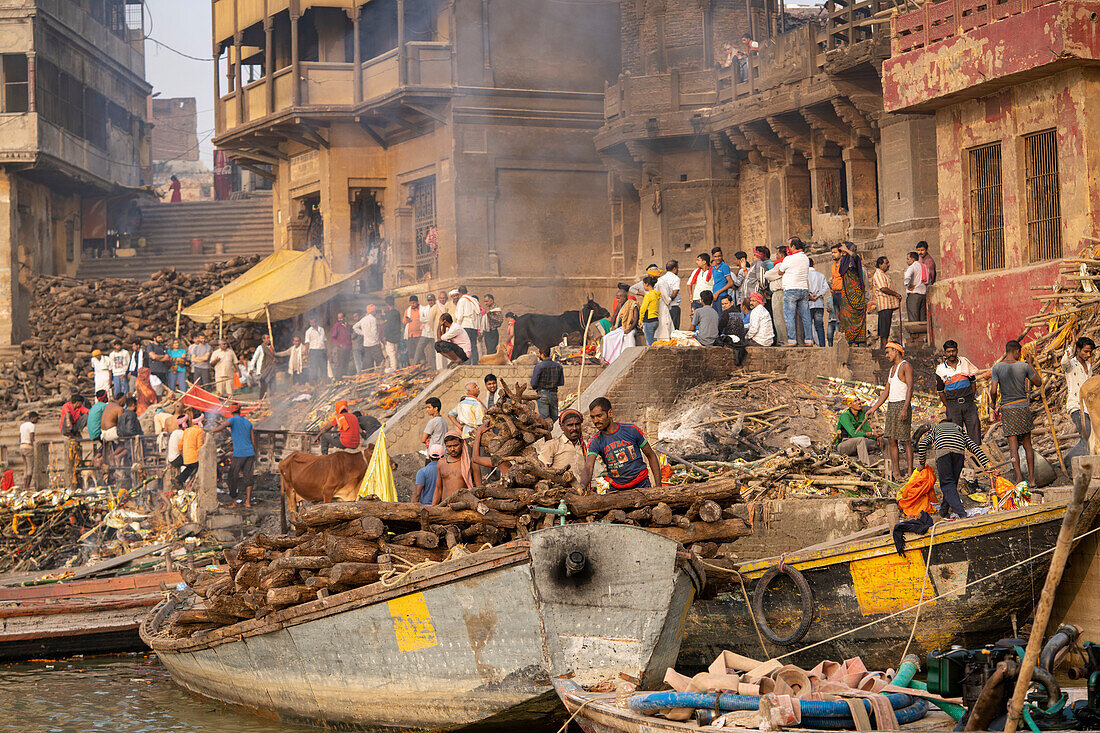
(345, 545)
(69, 318)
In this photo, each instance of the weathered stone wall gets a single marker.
(792, 524)
(175, 129)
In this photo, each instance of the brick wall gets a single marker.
(175, 129)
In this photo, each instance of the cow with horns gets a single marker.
(545, 331)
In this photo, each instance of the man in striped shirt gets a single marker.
(950, 443)
(886, 300)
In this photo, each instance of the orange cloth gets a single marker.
(145, 394)
(919, 492)
(193, 438)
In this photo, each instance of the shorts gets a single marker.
(896, 427)
(885, 321)
(109, 435)
(1016, 420)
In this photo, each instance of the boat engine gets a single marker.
(1087, 711)
(962, 672)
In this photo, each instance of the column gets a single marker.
(797, 199)
(825, 180)
(219, 110)
(862, 192)
(357, 51)
(32, 104)
(269, 64)
(238, 78)
(295, 64)
(206, 482)
(9, 256)
(402, 71)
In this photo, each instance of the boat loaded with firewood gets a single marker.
(471, 640)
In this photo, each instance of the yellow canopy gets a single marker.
(287, 283)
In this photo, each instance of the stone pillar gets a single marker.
(357, 52)
(206, 482)
(238, 78)
(9, 256)
(402, 61)
(797, 200)
(219, 110)
(269, 64)
(295, 63)
(825, 181)
(862, 192)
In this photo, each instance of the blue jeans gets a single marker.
(817, 315)
(796, 302)
(548, 404)
(649, 328)
(833, 326)
(120, 385)
(176, 381)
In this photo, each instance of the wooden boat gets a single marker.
(985, 575)
(87, 616)
(469, 641)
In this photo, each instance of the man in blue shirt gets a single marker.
(244, 455)
(629, 458)
(425, 482)
(722, 278)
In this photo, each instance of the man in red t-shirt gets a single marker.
(347, 430)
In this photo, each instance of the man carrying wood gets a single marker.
(630, 460)
(567, 451)
(455, 469)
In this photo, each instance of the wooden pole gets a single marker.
(1062, 549)
(1050, 424)
(179, 311)
(267, 312)
(584, 353)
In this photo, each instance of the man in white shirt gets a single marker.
(795, 268)
(468, 316)
(367, 329)
(119, 359)
(315, 341)
(668, 310)
(26, 447)
(820, 292)
(915, 289)
(101, 370)
(297, 357)
(453, 343)
(760, 321)
(1076, 363)
(700, 280)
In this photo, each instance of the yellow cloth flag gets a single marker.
(378, 479)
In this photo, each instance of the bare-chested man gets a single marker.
(108, 424)
(455, 470)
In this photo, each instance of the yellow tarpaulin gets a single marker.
(378, 479)
(287, 282)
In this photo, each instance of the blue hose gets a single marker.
(905, 715)
(650, 703)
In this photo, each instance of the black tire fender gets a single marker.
(807, 604)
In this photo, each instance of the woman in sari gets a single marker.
(146, 395)
(853, 303)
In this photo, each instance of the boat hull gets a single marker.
(466, 642)
(869, 582)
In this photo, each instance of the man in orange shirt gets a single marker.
(347, 427)
(192, 440)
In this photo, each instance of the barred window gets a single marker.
(13, 75)
(987, 220)
(1044, 205)
(427, 238)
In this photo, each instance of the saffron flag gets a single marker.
(378, 480)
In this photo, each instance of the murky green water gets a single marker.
(123, 694)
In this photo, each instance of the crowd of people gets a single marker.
(780, 301)
(959, 430)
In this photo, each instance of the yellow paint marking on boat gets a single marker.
(889, 583)
(412, 624)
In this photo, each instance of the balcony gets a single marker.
(785, 59)
(953, 50)
(330, 88)
(30, 139)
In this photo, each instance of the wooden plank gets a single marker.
(86, 570)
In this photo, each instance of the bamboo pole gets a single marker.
(267, 312)
(1046, 600)
(584, 352)
(1050, 424)
(179, 311)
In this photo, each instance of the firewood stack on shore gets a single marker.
(69, 318)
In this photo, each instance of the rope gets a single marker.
(752, 615)
(932, 599)
(576, 712)
(923, 585)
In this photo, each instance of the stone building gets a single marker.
(73, 136)
(1014, 94)
(433, 142)
(793, 141)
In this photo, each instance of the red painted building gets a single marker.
(1015, 91)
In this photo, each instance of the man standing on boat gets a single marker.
(949, 443)
(630, 460)
(898, 396)
(1076, 363)
(955, 385)
(455, 469)
(1010, 378)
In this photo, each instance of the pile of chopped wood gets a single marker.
(69, 318)
(345, 545)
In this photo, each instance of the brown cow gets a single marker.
(1090, 403)
(312, 478)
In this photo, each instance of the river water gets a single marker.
(113, 694)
